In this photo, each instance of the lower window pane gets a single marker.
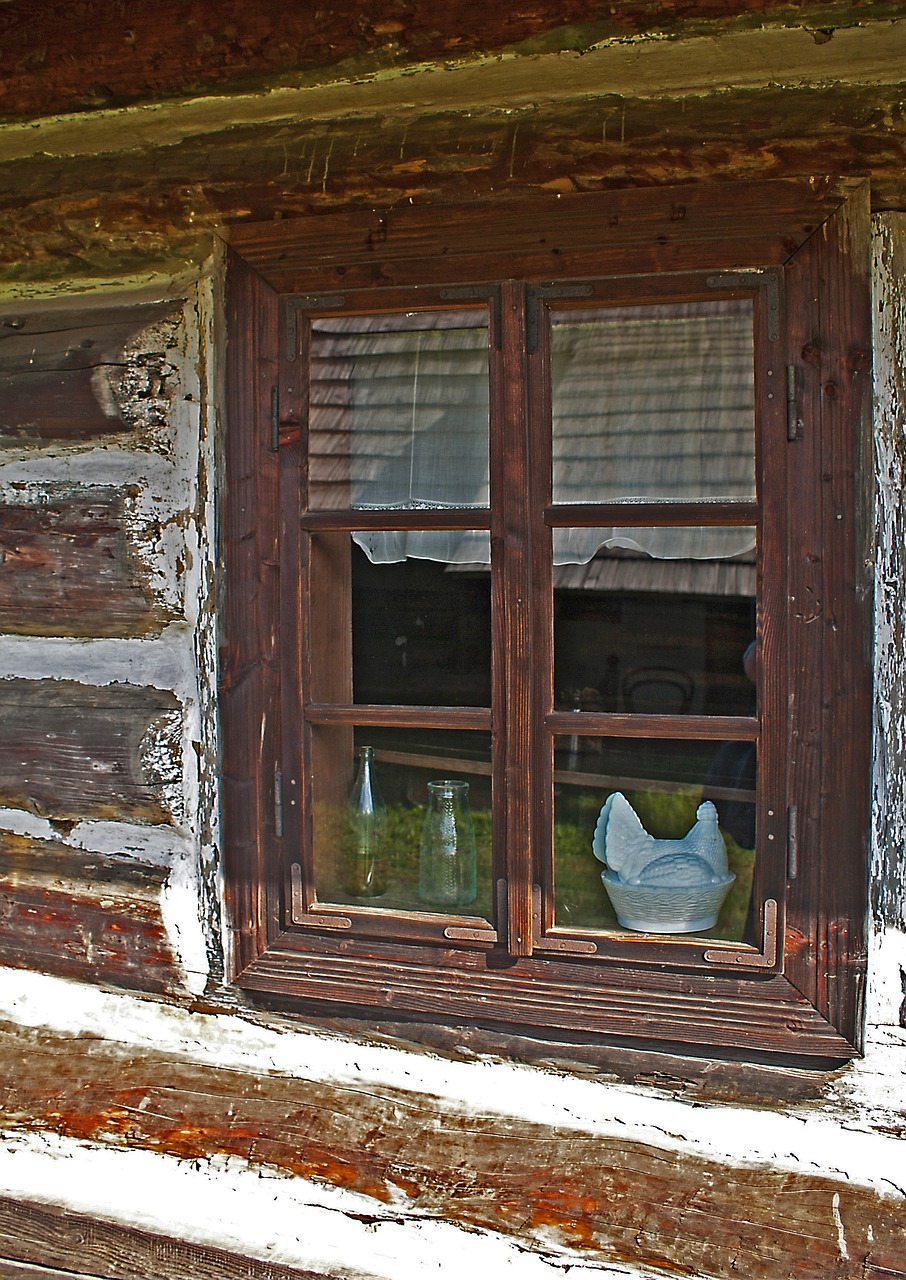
(667, 857)
(402, 819)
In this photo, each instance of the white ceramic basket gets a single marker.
(660, 908)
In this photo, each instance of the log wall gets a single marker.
(591, 1158)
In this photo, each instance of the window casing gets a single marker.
(551, 286)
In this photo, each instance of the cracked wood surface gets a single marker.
(613, 1198)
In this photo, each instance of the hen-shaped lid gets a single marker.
(625, 847)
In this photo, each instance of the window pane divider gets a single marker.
(638, 725)
(351, 520)
(393, 716)
(635, 515)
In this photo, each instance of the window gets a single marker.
(529, 506)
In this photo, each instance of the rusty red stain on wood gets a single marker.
(89, 916)
(610, 1197)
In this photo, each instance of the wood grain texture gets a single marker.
(615, 1199)
(829, 344)
(56, 1244)
(66, 568)
(250, 635)
(83, 915)
(59, 59)
(62, 373)
(71, 751)
(106, 214)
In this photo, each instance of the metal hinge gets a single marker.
(793, 421)
(549, 942)
(792, 842)
(275, 419)
(469, 293)
(278, 802)
(745, 280)
(305, 302)
(771, 945)
(298, 913)
(533, 299)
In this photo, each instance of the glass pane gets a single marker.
(654, 402)
(656, 636)
(678, 887)
(398, 415)
(412, 632)
(394, 839)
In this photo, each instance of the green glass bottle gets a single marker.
(364, 851)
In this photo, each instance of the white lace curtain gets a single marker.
(652, 402)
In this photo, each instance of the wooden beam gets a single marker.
(66, 569)
(70, 751)
(38, 1242)
(613, 1197)
(72, 375)
(62, 59)
(82, 915)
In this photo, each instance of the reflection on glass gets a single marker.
(421, 632)
(665, 783)
(652, 636)
(654, 402)
(398, 414)
(418, 842)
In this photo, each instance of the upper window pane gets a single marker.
(398, 415)
(654, 402)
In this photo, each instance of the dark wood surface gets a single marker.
(59, 371)
(829, 340)
(614, 1197)
(71, 751)
(249, 689)
(90, 916)
(632, 987)
(67, 568)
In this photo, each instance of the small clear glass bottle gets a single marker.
(364, 849)
(446, 867)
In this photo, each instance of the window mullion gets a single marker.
(512, 630)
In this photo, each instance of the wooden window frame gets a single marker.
(800, 250)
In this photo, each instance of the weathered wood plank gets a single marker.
(616, 1199)
(176, 192)
(71, 751)
(83, 915)
(86, 1248)
(59, 58)
(66, 569)
(68, 375)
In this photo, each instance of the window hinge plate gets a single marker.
(771, 945)
(305, 302)
(298, 913)
(533, 299)
(550, 942)
(469, 293)
(745, 280)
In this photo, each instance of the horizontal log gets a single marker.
(69, 375)
(615, 1198)
(83, 915)
(59, 58)
(86, 1248)
(66, 569)
(174, 193)
(70, 751)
